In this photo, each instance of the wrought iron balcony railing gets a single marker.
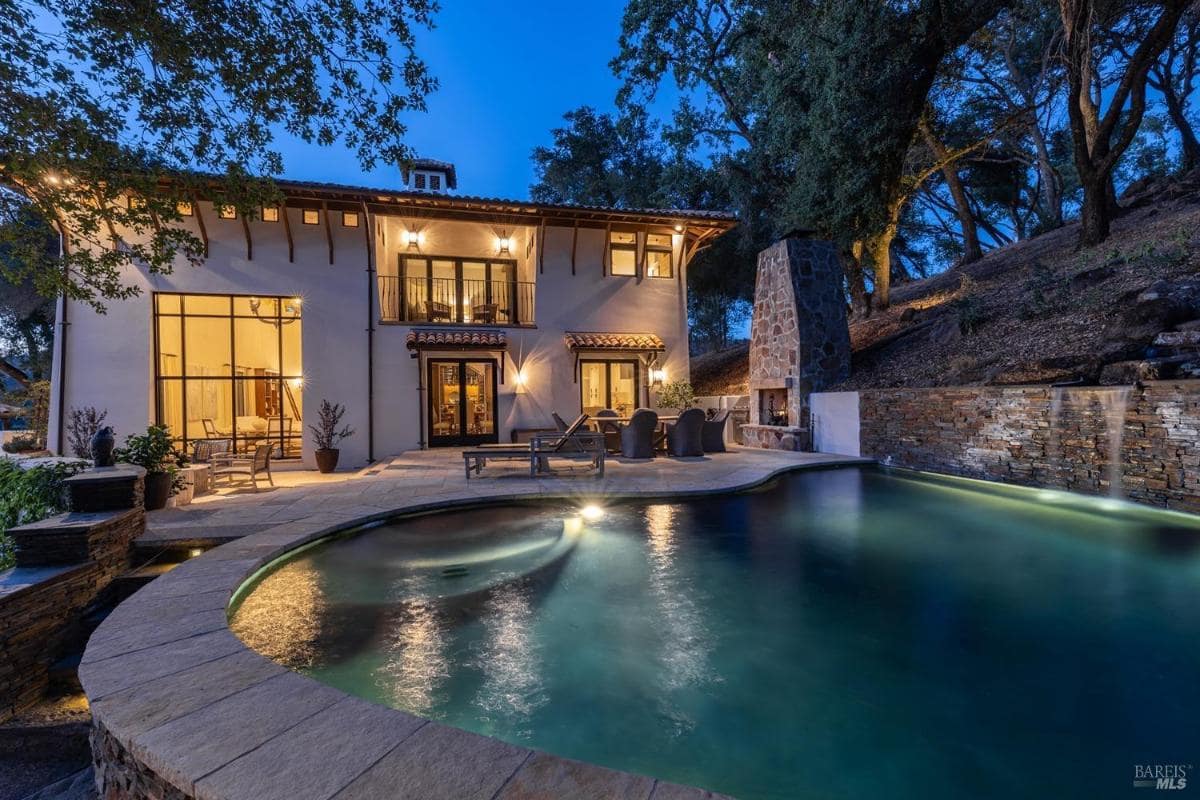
(456, 301)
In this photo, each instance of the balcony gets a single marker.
(455, 301)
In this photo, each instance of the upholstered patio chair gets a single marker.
(611, 430)
(638, 437)
(712, 435)
(684, 437)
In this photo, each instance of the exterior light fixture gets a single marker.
(592, 513)
(195, 551)
(414, 239)
(658, 376)
(520, 382)
(297, 383)
(678, 228)
(291, 311)
(503, 245)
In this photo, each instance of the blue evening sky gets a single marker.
(508, 72)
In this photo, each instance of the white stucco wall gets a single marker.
(835, 423)
(110, 358)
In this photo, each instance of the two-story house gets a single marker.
(437, 319)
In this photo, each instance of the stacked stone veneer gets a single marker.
(64, 563)
(799, 340)
(1005, 434)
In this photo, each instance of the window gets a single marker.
(184, 208)
(349, 219)
(270, 214)
(608, 384)
(310, 217)
(622, 253)
(419, 180)
(226, 212)
(135, 203)
(658, 255)
(229, 367)
(435, 182)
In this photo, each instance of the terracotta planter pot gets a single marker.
(327, 459)
(157, 490)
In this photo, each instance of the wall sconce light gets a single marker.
(658, 376)
(504, 245)
(678, 228)
(414, 239)
(520, 380)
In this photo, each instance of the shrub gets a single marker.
(326, 433)
(22, 443)
(677, 394)
(84, 424)
(27, 495)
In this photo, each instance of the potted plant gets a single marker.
(678, 395)
(327, 434)
(154, 452)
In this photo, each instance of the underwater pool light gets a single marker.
(592, 513)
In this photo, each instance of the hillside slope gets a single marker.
(1036, 311)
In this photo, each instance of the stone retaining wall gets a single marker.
(64, 564)
(1005, 434)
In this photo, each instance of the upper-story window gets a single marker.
(435, 182)
(226, 212)
(270, 214)
(622, 253)
(310, 216)
(419, 180)
(350, 219)
(658, 255)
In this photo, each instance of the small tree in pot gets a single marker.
(326, 434)
(154, 452)
(678, 395)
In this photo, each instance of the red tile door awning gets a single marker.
(456, 339)
(645, 342)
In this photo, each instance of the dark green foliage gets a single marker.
(28, 495)
(153, 450)
(102, 100)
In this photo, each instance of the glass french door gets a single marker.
(462, 402)
(608, 384)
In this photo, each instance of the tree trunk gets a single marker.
(1096, 214)
(1051, 180)
(1189, 144)
(879, 251)
(860, 302)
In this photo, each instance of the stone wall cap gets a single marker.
(122, 472)
(71, 520)
(19, 579)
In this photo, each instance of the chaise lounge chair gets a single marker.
(571, 443)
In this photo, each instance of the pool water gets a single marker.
(842, 633)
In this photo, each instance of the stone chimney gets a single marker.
(799, 339)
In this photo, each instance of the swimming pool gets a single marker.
(842, 633)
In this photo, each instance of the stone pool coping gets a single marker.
(181, 706)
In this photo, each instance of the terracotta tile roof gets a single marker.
(579, 340)
(433, 338)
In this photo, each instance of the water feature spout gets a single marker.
(1113, 402)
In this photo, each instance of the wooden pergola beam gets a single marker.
(328, 229)
(249, 241)
(574, 242)
(287, 230)
(200, 222)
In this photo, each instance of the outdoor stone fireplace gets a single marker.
(799, 341)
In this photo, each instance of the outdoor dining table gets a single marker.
(598, 423)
